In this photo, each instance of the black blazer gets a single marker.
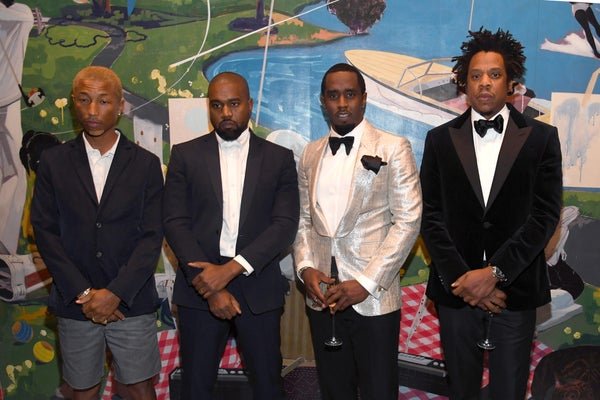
(522, 212)
(113, 244)
(193, 216)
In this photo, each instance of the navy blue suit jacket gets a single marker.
(112, 244)
(193, 217)
(521, 214)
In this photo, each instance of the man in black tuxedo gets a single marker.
(96, 214)
(230, 208)
(492, 186)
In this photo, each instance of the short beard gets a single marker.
(343, 130)
(230, 135)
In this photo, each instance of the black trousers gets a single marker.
(511, 332)
(367, 361)
(202, 341)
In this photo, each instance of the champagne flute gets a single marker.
(486, 343)
(333, 341)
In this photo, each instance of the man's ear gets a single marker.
(511, 88)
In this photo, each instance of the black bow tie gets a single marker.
(335, 142)
(482, 125)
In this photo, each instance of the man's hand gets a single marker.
(223, 305)
(214, 277)
(495, 302)
(345, 294)
(312, 281)
(101, 306)
(473, 286)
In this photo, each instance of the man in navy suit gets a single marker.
(231, 207)
(492, 187)
(96, 214)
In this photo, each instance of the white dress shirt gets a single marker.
(487, 149)
(232, 159)
(100, 163)
(334, 185)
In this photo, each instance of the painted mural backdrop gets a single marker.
(166, 51)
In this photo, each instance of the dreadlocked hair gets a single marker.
(501, 42)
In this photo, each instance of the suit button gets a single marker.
(98, 225)
(98, 254)
(487, 225)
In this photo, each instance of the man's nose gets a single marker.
(485, 80)
(93, 108)
(226, 111)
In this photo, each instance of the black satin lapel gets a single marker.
(82, 167)
(119, 164)
(513, 141)
(209, 151)
(463, 144)
(253, 168)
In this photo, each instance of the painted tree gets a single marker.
(358, 15)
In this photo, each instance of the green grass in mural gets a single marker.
(582, 329)
(587, 202)
(52, 67)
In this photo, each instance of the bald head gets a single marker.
(230, 78)
(100, 74)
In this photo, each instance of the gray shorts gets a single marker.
(132, 342)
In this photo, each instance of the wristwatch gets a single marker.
(498, 274)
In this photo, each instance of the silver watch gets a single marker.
(498, 274)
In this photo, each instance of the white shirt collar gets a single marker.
(111, 152)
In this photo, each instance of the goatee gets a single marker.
(343, 130)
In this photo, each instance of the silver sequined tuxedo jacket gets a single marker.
(379, 226)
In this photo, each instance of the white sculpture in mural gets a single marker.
(16, 20)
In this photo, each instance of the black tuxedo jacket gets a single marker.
(114, 243)
(193, 217)
(522, 212)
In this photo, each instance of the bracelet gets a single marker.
(84, 293)
(301, 271)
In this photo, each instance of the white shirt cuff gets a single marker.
(242, 261)
(371, 286)
(302, 265)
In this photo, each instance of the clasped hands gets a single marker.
(211, 284)
(341, 296)
(478, 288)
(101, 306)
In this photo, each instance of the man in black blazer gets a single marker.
(96, 214)
(491, 201)
(231, 207)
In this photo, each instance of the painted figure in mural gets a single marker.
(16, 20)
(96, 213)
(360, 212)
(492, 186)
(584, 14)
(230, 208)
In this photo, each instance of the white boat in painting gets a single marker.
(423, 90)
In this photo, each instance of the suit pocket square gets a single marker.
(372, 163)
